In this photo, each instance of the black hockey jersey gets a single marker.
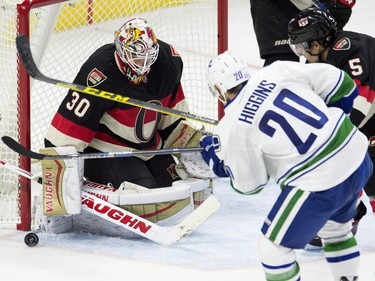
(94, 124)
(355, 53)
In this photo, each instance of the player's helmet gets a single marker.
(137, 45)
(225, 72)
(312, 24)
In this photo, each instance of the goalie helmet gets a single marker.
(225, 72)
(137, 46)
(312, 24)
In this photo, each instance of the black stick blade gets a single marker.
(24, 51)
(14, 145)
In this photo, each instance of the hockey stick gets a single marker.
(136, 224)
(24, 51)
(17, 147)
(317, 4)
(17, 170)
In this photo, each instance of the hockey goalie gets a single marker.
(154, 187)
(62, 205)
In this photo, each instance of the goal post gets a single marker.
(62, 35)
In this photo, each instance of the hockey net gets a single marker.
(62, 35)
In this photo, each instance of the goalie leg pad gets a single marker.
(62, 180)
(165, 206)
(53, 224)
(201, 189)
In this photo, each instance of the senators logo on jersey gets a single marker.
(95, 77)
(342, 45)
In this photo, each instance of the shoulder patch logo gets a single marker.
(95, 77)
(342, 45)
(174, 52)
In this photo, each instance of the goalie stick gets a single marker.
(18, 170)
(17, 147)
(24, 51)
(136, 224)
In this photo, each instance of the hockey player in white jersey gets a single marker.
(289, 122)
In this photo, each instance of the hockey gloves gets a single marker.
(341, 11)
(209, 144)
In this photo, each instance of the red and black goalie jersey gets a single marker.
(92, 123)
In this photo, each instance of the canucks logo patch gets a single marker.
(95, 77)
(342, 45)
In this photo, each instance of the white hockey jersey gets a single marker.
(279, 126)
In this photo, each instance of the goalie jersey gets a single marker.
(94, 124)
(279, 126)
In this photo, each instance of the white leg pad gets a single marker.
(165, 206)
(62, 180)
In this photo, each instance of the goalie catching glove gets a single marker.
(209, 145)
(185, 135)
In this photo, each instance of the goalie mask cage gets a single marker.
(62, 35)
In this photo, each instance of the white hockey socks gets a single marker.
(279, 263)
(340, 249)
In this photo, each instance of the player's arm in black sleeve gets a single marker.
(340, 9)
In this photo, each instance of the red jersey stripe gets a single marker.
(71, 129)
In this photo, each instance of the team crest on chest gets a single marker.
(95, 77)
(342, 45)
